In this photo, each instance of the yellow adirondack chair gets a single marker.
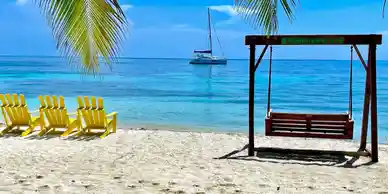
(16, 115)
(56, 115)
(95, 117)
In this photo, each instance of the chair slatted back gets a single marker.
(15, 110)
(92, 111)
(55, 112)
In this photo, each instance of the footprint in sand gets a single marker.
(145, 182)
(131, 186)
(263, 185)
(165, 190)
(179, 192)
(39, 176)
(88, 186)
(26, 184)
(172, 183)
(227, 185)
(44, 187)
(350, 190)
(228, 179)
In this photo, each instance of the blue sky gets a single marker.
(173, 28)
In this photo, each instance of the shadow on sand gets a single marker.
(87, 137)
(297, 156)
(69, 138)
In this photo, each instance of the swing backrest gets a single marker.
(337, 126)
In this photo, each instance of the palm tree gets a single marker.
(263, 13)
(86, 30)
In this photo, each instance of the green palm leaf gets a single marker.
(263, 13)
(86, 29)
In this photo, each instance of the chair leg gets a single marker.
(35, 123)
(108, 128)
(107, 131)
(70, 128)
(48, 130)
(6, 130)
(43, 131)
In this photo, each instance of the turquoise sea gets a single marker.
(170, 93)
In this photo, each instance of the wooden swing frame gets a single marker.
(370, 97)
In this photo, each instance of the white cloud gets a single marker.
(186, 28)
(125, 7)
(229, 33)
(228, 9)
(21, 2)
(232, 11)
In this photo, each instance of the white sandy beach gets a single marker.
(146, 161)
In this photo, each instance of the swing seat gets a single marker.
(331, 126)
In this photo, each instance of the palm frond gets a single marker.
(263, 13)
(86, 29)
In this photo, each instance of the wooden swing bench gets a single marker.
(332, 126)
(335, 126)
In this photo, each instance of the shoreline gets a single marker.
(183, 129)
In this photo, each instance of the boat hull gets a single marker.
(209, 61)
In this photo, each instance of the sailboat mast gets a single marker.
(210, 31)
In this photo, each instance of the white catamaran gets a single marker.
(206, 56)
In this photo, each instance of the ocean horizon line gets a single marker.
(184, 58)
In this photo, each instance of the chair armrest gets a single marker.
(111, 114)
